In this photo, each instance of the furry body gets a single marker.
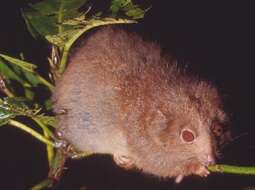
(122, 97)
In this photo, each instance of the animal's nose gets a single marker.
(210, 159)
(207, 159)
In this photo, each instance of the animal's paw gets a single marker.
(124, 161)
(193, 168)
(197, 168)
(202, 171)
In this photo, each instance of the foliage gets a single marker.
(128, 7)
(60, 23)
(23, 72)
(18, 106)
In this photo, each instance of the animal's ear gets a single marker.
(221, 132)
(217, 129)
(124, 161)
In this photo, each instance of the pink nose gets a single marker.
(210, 159)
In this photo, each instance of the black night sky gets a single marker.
(214, 41)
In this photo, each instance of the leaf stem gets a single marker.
(242, 170)
(81, 155)
(8, 92)
(45, 82)
(43, 126)
(47, 133)
(50, 150)
(31, 132)
(43, 185)
(4, 88)
(63, 61)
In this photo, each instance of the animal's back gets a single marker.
(89, 90)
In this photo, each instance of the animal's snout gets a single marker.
(210, 159)
(207, 159)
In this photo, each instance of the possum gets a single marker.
(122, 96)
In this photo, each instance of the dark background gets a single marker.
(215, 41)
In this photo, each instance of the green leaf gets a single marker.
(61, 9)
(30, 27)
(61, 24)
(117, 5)
(135, 13)
(47, 17)
(42, 24)
(48, 120)
(128, 8)
(59, 20)
(9, 74)
(69, 37)
(17, 106)
(32, 78)
(5, 116)
(23, 64)
(29, 94)
(21, 71)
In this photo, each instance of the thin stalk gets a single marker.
(47, 133)
(242, 170)
(43, 185)
(4, 88)
(45, 82)
(44, 127)
(8, 92)
(50, 151)
(31, 132)
(81, 155)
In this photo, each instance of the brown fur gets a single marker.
(124, 98)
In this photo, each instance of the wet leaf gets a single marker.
(23, 64)
(128, 8)
(21, 71)
(10, 74)
(47, 17)
(48, 120)
(17, 106)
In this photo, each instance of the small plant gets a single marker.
(60, 23)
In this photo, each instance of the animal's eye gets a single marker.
(187, 136)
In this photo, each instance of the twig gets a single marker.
(8, 92)
(43, 126)
(47, 134)
(242, 170)
(45, 82)
(3, 87)
(43, 185)
(31, 132)
(81, 155)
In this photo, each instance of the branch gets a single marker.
(43, 185)
(242, 170)
(47, 134)
(81, 155)
(31, 132)
(45, 82)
